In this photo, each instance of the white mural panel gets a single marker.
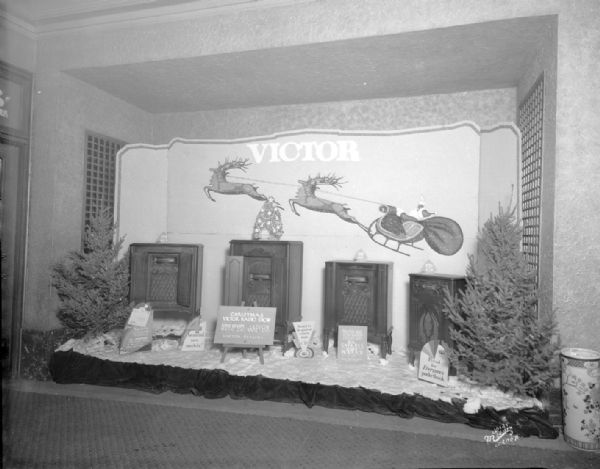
(368, 187)
(141, 194)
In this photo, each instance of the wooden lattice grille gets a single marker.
(531, 123)
(100, 172)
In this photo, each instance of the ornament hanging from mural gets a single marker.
(219, 183)
(268, 221)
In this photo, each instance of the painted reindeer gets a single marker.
(305, 197)
(219, 183)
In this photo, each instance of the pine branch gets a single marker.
(93, 284)
(497, 337)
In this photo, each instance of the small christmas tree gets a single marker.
(498, 337)
(93, 285)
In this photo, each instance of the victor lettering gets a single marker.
(287, 152)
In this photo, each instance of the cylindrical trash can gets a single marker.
(580, 383)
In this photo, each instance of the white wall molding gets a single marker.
(13, 24)
(62, 20)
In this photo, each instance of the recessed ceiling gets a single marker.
(463, 58)
(481, 56)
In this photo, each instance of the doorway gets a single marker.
(15, 105)
(9, 168)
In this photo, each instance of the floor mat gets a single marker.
(45, 431)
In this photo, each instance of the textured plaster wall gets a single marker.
(577, 199)
(17, 46)
(485, 108)
(63, 110)
(570, 236)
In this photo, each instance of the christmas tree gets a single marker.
(499, 337)
(93, 285)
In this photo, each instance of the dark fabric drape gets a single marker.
(73, 367)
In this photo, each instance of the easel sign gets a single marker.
(352, 343)
(245, 327)
(434, 364)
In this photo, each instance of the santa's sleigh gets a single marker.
(442, 234)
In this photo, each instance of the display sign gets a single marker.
(137, 334)
(245, 325)
(140, 316)
(195, 338)
(303, 332)
(434, 364)
(352, 342)
(194, 341)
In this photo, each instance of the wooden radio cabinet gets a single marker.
(269, 274)
(167, 276)
(426, 318)
(359, 294)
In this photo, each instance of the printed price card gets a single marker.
(352, 343)
(195, 338)
(140, 316)
(304, 332)
(434, 364)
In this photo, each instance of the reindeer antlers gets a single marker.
(330, 179)
(237, 163)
